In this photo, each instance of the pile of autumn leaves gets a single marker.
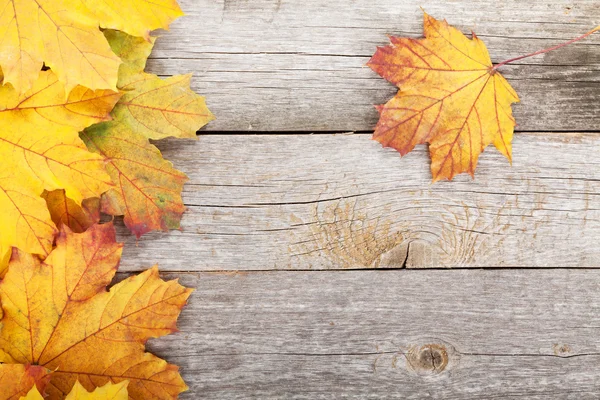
(77, 112)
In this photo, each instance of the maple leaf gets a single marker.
(107, 392)
(41, 150)
(451, 96)
(154, 107)
(58, 315)
(4, 259)
(65, 211)
(148, 188)
(65, 36)
(16, 380)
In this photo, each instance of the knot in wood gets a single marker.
(429, 357)
(562, 350)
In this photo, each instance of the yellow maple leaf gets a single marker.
(107, 392)
(41, 150)
(451, 96)
(16, 380)
(65, 35)
(58, 315)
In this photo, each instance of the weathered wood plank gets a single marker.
(341, 201)
(466, 334)
(276, 65)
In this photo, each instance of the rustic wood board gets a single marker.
(259, 202)
(282, 65)
(409, 334)
(343, 272)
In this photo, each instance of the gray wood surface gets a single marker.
(406, 334)
(274, 65)
(328, 267)
(259, 202)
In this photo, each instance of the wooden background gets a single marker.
(328, 267)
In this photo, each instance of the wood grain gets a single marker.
(407, 334)
(258, 202)
(284, 65)
(287, 219)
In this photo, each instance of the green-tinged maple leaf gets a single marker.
(154, 107)
(147, 188)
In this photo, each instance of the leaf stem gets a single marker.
(596, 29)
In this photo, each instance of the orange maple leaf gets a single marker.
(65, 211)
(451, 96)
(58, 315)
